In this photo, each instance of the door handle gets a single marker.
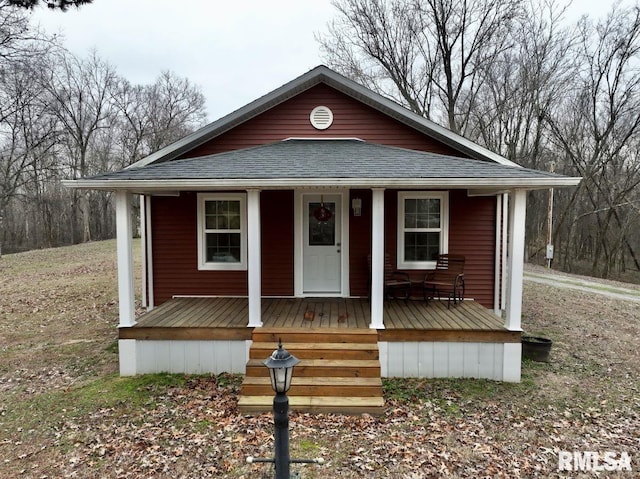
(337, 251)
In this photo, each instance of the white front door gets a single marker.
(322, 244)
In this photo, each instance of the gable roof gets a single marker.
(324, 162)
(322, 74)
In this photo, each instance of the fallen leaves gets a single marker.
(587, 398)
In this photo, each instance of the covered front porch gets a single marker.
(210, 334)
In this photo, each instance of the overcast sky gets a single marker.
(236, 50)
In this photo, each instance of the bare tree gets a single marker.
(82, 92)
(24, 127)
(52, 4)
(175, 108)
(597, 130)
(153, 116)
(521, 87)
(67, 117)
(426, 54)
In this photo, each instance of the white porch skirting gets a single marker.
(182, 356)
(496, 361)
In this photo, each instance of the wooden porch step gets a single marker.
(317, 386)
(315, 404)
(314, 335)
(323, 368)
(339, 371)
(261, 350)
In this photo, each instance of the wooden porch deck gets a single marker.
(227, 318)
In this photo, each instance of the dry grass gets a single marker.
(64, 412)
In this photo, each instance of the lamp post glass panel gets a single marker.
(281, 364)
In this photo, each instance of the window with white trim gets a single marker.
(423, 228)
(222, 231)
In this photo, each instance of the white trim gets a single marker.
(290, 183)
(443, 196)
(344, 246)
(124, 234)
(517, 214)
(143, 251)
(151, 303)
(298, 244)
(254, 274)
(505, 240)
(323, 138)
(377, 258)
(210, 265)
(496, 257)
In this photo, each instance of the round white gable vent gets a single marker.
(321, 117)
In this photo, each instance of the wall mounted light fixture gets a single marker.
(356, 205)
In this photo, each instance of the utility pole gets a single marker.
(549, 252)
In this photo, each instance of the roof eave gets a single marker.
(290, 183)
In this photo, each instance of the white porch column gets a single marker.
(254, 272)
(143, 248)
(498, 254)
(377, 259)
(124, 233)
(517, 214)
(149, 254)
(505, 240)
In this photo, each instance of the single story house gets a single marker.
(276, 221)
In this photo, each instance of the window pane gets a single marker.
(422, 213)
(223, 247)
(322, 233)
(210, 222)
(233, 208)
(222, 214)
(234, 221)
(421, 246)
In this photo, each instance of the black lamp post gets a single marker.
(281, 364)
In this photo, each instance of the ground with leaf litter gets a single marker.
(64, 412)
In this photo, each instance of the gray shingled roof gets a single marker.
(304, 159)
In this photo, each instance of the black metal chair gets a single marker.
(447, 278)
(397, 284)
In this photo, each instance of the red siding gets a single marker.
(359, 244)
(351, 119)
(472, 232)
(175, 265)
(276, 214)
(175, 253)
